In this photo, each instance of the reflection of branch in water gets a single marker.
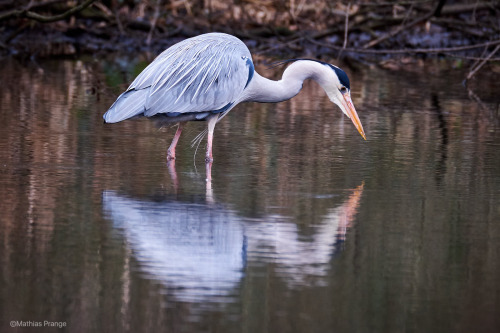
(482, 106)
(441, 165)
(200, 251)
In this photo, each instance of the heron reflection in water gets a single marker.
(205, 77)
(199, 250)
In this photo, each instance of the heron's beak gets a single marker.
(350, 111)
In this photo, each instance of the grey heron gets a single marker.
(205, 77)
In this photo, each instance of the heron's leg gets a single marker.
(173, 174)
(212, 120)
(171, 149)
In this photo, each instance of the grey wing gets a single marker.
(201, 74)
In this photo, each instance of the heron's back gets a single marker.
(191, 79)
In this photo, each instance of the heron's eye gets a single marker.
(343, 90)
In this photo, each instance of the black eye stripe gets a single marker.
(344, 80)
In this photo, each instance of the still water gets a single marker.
(300, 226)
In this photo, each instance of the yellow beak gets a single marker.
(350, 111)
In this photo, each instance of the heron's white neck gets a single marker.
(264, 90)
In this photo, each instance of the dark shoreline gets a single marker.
(395, 36)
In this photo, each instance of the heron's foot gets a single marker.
(170, 155)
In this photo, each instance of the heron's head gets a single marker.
(338, 89)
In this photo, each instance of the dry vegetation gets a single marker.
(364, 30)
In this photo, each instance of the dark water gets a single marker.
(304, 226)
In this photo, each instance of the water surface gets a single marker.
(304, 226)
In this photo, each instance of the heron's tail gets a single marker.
(128, 105)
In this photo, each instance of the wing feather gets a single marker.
(200, 74)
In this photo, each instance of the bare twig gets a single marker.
(391, 3)
(437, 11)
(462, 8)
(469, 57)
(408, 51)
(346, 29)
(46, 19)
(481, 64)
(119, 23)
(398, 30)
(481, 57)
(16, 32)
(439, 7)
(153, 23)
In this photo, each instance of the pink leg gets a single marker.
(171, 149)
(212, 120)
(173, 174)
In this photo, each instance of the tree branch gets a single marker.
(474, 70)
(435, 12)
(398, 30)
(408, 51)
(46, 19)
